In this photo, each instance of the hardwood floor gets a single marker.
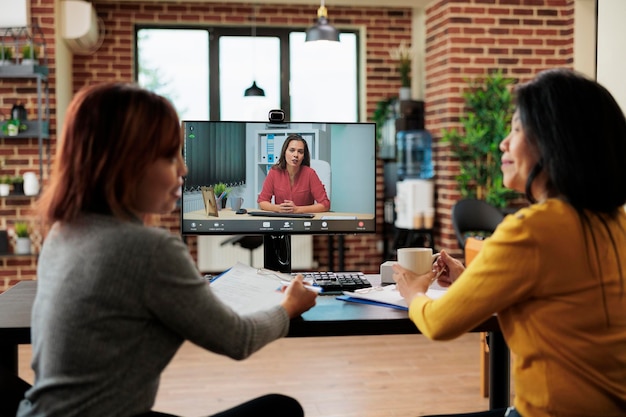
(369, 376)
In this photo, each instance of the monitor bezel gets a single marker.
(221, 226)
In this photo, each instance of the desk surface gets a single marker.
(330, 317)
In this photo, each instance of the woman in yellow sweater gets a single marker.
(554, 272)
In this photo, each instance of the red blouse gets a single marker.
(307, 188)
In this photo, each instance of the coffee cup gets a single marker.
(418, 260)
(236, 203)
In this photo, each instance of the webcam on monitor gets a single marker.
(276, 116)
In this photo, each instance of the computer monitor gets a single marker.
(240, 154)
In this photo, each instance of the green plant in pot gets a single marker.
(29, 54)
(221, 191)
(22, 243)
(6, 55)
(5, 185)
(18, 184)
(489, 106)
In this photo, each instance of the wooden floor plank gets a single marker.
(359, 376)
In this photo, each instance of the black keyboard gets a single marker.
(336, 282)
(274, 214)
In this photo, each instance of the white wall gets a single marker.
(611, 52)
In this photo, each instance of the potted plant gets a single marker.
(22, 242)
(221, 192)
(489, 106)
(403, 54)
(5, 185)
(18, 184)
(6, 55)
(29, 55)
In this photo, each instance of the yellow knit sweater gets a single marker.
(562, 313)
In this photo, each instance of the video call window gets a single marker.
(240, 154)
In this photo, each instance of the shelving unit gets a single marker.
(19, 68)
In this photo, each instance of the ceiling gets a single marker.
(328, 3)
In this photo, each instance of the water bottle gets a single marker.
(414, 154)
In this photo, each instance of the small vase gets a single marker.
(22, 246)
(18, 188)
(405, 93)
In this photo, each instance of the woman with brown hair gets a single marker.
(116, 298)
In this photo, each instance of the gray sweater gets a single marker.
(115, 300)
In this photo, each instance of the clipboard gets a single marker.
(246, 289)
(387, 296)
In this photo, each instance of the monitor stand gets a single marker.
(277, 252)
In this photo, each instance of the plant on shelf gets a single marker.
(5, 185)
(29, 53)
(403, 54)
(21, 229)
(382, 113)
(6, 55)
(22, 243)
(489, 107)
(18, 184)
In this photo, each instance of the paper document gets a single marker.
(246, 289)
(388, 296)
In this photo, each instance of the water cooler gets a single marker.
(413, 143)
(415, 189)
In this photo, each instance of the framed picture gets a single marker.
(210, 205)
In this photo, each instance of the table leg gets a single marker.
(499, 371)
(8, 358)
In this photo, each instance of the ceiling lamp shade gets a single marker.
(254, 91)
(322, 30)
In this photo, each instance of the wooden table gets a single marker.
(330, 317)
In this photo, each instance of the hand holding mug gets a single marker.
(413, 273)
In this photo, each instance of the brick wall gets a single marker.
(465, 38)
(22, 155)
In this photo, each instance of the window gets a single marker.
(205, 72)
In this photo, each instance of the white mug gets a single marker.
(418, 260)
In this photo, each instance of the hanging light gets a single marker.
(322, 30)
(254, 90)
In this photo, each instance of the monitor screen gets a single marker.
(240, 155)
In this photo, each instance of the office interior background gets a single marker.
(455, 41)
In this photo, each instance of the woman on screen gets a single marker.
(115, 297)
(292, 182)
(554, 272)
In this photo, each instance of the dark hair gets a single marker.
(580, 133)
(112, 132)
(282, 163)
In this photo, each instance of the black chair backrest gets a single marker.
(471, 215)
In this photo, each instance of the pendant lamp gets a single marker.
(322, 30)
(254, 90)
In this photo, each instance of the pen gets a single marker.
(308, 287)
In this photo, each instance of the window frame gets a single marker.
(216, 31)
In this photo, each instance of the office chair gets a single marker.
(474, 217)
(471, 217)
(322, 168)
(246, 242)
